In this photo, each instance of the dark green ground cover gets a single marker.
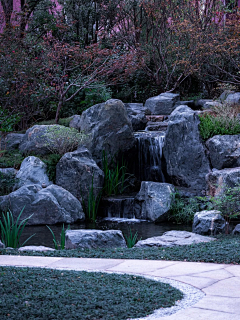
(226, 249)
(30, 293)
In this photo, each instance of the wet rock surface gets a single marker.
(162, 104)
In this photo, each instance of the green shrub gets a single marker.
(211, 125)
(182, 209)
(7, 182)
(63, 122)
(61, 140)
(11, 159)
(51, 160)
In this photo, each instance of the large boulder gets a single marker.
(208, 222)
(109, 128)
(219, 181)
(49, 205)
(173, 238)
(153, 201)
(183, 150)
(137, 115)
(162, 104)
(32, 171)
(77, 172)
(233, 98)
(224, 151)
(11, 141)
(236, 230)
(94, 239)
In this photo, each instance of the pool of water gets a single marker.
(144, 229)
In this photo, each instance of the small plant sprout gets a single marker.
(131, 239)
(61, 244)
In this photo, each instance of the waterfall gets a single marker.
(149, 150)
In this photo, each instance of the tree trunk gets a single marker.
(59, 107)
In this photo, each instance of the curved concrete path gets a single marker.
(220, 282)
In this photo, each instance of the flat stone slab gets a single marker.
(173, 238)
(35, 248)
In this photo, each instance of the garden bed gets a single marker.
(53, 294)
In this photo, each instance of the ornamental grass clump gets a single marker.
(223, 120)
(60, 139)
(11, 230)
(59, 245)
(131, 239)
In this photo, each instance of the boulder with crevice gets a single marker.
(109, 129)
(32, 171)
(49, 205)
(184, 152)
(137, 115)
(77, 172)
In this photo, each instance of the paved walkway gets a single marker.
(220, 283)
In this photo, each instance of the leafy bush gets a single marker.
(10, 159)
(61, 140)
(7, 182)
(51, 161)
(211, 125)
(183, 209)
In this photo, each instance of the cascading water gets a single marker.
(149, 150)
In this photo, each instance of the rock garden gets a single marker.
(161, 162)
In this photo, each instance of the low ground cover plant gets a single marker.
(55, 294)
(225, 249)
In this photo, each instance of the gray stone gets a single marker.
(11, 141)
(75, 122)
(153, 201)
(109, 127)
(32, 171)
(219, 180)
(36, 141)
(77, 172)
(211, 104)
(208, 222)
(2, 245)
(137, 115)
(184, 152)
(94, 239)
(162, 104)
(224, 151)
(233, 98)
(236, 229)
(173, 238)
(189, 103)
(224, 95)
(8, 171)
(35, 248)
(50, 205)
(200, 103)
